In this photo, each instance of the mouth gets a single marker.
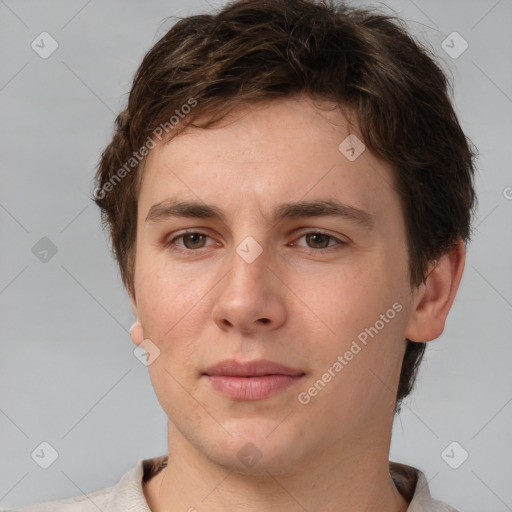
(252, 380)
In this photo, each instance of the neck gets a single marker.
(351, 476)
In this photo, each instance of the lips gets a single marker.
(250, 369)
(252, 380)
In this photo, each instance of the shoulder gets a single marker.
(125, 496)
(86, 503)
(413, 485)
(423, 501)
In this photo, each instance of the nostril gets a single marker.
(264, 320)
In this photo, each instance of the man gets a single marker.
(289, 195)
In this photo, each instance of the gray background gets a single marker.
(68, 375)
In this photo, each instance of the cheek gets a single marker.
(359, 314)
(170, 306)
(166, 295)
(346, 301)
(357, 367)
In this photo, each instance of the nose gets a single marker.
(251, 297)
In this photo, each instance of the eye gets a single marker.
(319, 241)
(191, 240)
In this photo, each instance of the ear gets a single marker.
(136, 332)
(435, 296)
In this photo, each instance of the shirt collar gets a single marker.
(128, 494)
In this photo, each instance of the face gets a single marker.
(264, 245)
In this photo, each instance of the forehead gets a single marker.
(259, 155)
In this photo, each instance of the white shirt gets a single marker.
(128, 495)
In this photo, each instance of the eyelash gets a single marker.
(340, 243)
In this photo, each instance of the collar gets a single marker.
(128, 494)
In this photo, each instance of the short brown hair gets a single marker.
(258, 50)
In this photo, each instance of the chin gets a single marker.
(257, 447)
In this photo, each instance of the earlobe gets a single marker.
(136, 333)
(435, 296)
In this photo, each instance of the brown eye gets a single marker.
(193, 240)
(189, 242)
(317, 240)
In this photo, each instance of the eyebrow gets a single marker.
(301, 209)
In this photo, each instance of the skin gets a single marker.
(291, 305)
